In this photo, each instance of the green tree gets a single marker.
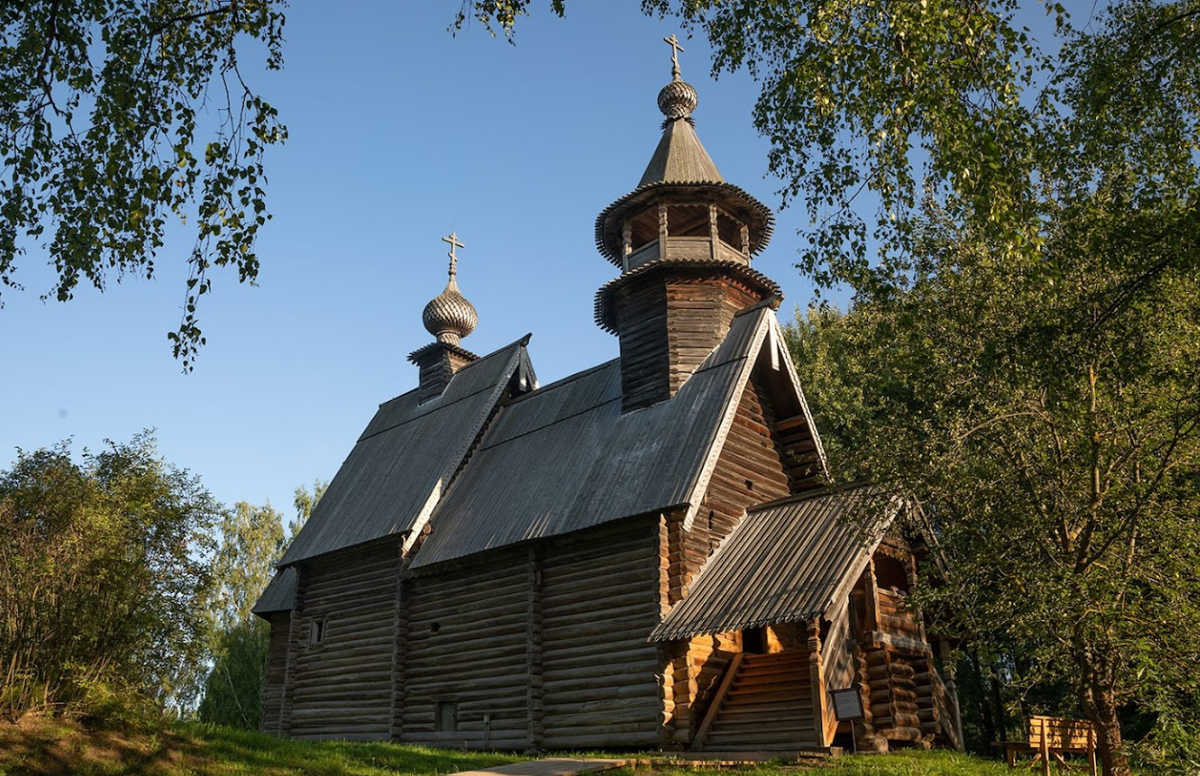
(102, 567)
(305, 502)
(1025, 337)
(103, 140)
(251, 540)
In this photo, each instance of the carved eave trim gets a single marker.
(752, 278)
(735, 200)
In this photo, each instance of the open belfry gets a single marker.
(640, 555)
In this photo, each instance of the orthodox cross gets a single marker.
(454, 243)
(675, 49)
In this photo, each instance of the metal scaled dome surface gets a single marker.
(449, 316)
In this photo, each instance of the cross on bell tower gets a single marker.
(673, 42)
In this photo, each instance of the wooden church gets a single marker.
(640, 555)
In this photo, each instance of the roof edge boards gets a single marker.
(718, 445)
(455, 467)
(795, 379)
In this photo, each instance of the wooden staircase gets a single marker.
(765, 704)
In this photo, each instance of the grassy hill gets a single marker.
(49, 747)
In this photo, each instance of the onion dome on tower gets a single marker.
(683, 240)
(448, 317)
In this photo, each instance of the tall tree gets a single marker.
(103, 139)
(251, 540)
(1030, 314)
(102, 568)
(305, 502)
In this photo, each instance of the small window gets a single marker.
(317, 634)
(891, 574)
(445, 716)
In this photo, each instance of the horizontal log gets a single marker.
(618, 673)
(476, 674)
(561, 728)
(598, 685)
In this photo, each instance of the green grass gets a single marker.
(44, 747)
(49, 747)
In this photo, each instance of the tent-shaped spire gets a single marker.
(680, 157)
(680, 173)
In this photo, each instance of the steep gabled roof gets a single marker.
(400, 466)
(788, 561)
(564, 457)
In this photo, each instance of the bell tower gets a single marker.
(683, 240)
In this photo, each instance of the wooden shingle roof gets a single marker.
(279, 595)
(404, 460)
(787, 561)
(564, 457)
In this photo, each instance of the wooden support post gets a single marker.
(666, 670)
(534, 702)
(1044, 749)
(817, 680)
(399, 647)
(872, 598)
(662, 230)
(1091, 754)
(714, 236)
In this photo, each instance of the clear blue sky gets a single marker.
(400, 133)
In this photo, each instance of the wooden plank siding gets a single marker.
(341, 686)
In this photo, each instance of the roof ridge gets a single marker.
(821, 491)
(478, 359)
(541, 389)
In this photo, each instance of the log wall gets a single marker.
(341, 687)
(642, 322)
(668, 325)
(466, 655)
(600, 599)
(700, 310)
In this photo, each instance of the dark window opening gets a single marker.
(754, 641)
(687, 221)
(643, 228)
(434, 627)
(891, 574)
(729, 230)
(445, 716)
(317, 634)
